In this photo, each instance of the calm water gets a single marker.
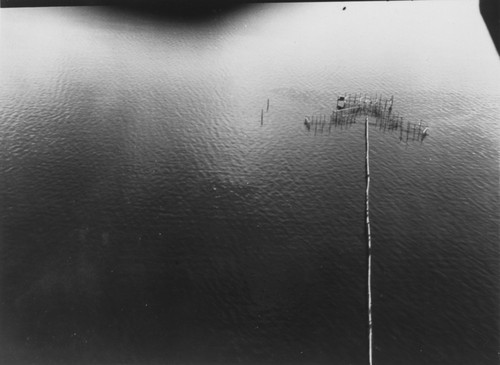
(146, 215)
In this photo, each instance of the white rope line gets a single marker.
(369, 242)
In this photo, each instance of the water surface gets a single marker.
(148, 216)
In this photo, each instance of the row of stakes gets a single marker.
(349, 108)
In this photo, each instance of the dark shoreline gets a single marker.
(158, 4)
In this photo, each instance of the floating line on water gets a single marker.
(348, 109)
(369, 244)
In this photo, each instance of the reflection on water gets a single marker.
(155, 209)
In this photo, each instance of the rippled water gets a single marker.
(148, 216)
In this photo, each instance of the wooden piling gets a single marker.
(262, 116)
(267, 105)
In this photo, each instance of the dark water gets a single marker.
(148, 217)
